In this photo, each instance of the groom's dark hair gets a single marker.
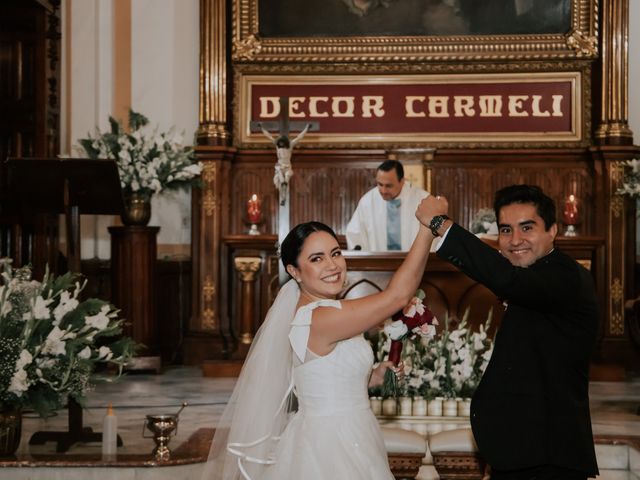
(532, 194)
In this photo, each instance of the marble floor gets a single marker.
(614, 408)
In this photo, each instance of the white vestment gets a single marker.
(368, 225)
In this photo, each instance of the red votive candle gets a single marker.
(253, 209)
(570, 214)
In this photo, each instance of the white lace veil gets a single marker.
(257, 411)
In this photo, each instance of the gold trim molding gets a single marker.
(579, 42)
(578, 71)
(247, 267)
(616, 326)
(213, 73)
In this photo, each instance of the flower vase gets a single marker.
(419, 407)
(404, 406)
(450, 407)
(137, 209)
(434, 407)
(389, 407)
(376, 405)
(10, 431)
(464, 407)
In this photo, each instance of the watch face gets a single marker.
(436, 223)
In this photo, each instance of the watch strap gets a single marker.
(436, 223)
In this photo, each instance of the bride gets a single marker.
(300, 408)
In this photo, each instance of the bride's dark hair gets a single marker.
(293, 242)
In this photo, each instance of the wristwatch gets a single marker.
(436, 223)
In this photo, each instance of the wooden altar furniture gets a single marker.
(30, 116)
(449, 292)
(133, 273)
(69, 186)
(326, 186)
(247, 267)
(455, 455)
(405, 450)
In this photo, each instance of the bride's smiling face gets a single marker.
(322, 269)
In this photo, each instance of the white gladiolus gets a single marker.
(105, 353)
(55, 343)
(66, 305)
(85, 353)
(478, 341)
(100, 320)
(40, 308)
(19, 383)
(24, 359)
(634, 164)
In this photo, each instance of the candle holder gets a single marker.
(570, 216)
(570, 231)
(254, 214)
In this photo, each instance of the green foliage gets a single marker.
(148, 162)
(51, 342)
(449, 365)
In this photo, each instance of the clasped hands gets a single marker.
(431, 206)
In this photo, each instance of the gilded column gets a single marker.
(618, 221)
(213, 128)
(210, 208)
(614, 126)
(247, 267)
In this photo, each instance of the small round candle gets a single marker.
(253, 209)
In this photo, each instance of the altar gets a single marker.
(251, 265)
(467, 115)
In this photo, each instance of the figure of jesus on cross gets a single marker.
(283, 169)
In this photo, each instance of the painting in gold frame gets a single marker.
(573, 36)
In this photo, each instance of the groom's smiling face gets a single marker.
(522, 237)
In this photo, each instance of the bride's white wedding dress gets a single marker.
(333, 435)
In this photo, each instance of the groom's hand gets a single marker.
(430, 207)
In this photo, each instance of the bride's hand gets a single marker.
(377, 374)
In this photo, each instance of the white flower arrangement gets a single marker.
(631, 179)
(484, 222)
(449, 365)
(148, 162)
(51, 341)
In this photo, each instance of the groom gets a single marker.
(530, 414)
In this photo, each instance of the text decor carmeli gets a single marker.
(527, 107)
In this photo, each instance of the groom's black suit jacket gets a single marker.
(532, 405)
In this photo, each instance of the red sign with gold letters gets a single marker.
(421, 108)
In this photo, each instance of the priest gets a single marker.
(385, 216)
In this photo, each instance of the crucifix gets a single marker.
(283, 168)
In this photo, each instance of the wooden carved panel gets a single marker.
(325, 186)
(469, 181)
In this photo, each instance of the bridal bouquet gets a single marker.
(449, 365)
(51, 341)
(148, 162)
(414, 320)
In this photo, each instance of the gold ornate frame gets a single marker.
(580, 42)
(578, 71)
